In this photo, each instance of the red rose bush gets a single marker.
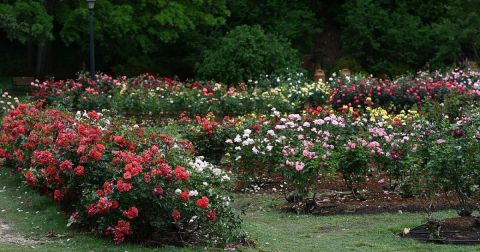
(117, 179)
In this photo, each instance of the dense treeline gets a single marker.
(232, 40)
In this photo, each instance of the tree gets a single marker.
(29, 23)
(394, 36)
(124, 28)
(294, 20)
(26, 21)
(247, 52)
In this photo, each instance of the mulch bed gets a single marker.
(346, 203)
(459, 230)
(333, 197)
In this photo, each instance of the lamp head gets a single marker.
(91, 4)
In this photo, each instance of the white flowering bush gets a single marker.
(7, 103)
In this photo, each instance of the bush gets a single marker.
(118, 179)
(247, 52)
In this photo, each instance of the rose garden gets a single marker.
(241, 125)
(159, 160)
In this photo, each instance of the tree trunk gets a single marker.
(31, 60)
(44, 52)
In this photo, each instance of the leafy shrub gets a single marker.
(245, 53)
(347, 62)
(117, 179)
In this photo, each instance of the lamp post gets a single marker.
(91, 6)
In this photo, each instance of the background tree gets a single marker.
(171, 37)
(28, 22)
(396, 36)
(247, 52)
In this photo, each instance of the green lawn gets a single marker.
(32, 216)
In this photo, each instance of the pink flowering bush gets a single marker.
(117, 179)
(405, 148)
(402, 92)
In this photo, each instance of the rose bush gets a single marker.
(119, 179)
(303, 147)
(151, 96)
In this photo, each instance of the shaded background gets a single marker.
(46, 38)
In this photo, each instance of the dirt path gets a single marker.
(8, 236)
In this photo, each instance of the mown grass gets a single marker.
(35, 216)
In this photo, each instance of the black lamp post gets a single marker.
(91, 6)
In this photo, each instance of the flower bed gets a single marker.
(419, 152)
(160, 97)
(149, 95)
(117, 179)
(418, 135)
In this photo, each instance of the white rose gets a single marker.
(178, 192)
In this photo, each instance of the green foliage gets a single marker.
(137, 27)
(348, 63)
(353, 164)
(247, 52)
(397, 36)
(26, 21)
(294, 20)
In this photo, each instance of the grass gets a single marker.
(276, 231)
(5, 83)
(34, 216)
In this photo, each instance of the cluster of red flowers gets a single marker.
(181, 173)
(70, 159)
(375, 92)
(120, 231)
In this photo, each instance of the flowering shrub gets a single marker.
(149, 95)
(403, 92)
(7, 103)
(118, 179)
(304, 147)
(419, 133)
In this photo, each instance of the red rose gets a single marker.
(131, 213)
(127, 175)
(176, 214)
(107, 187)
(30, 177)
(95, 154)
(121, 230)
(212, 215)
(147, 178)
(57, 195)
(185, 195)
(66, 165)
(93, 115)
(79, 170)
(115, 204)
(123, 186)
(81, 149)
(203, 202)
(158, 191)
(181, 173)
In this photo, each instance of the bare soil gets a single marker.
(333, 197)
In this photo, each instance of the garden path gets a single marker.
(8, 235)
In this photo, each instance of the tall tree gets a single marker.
(29, 23)
(124, 28)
